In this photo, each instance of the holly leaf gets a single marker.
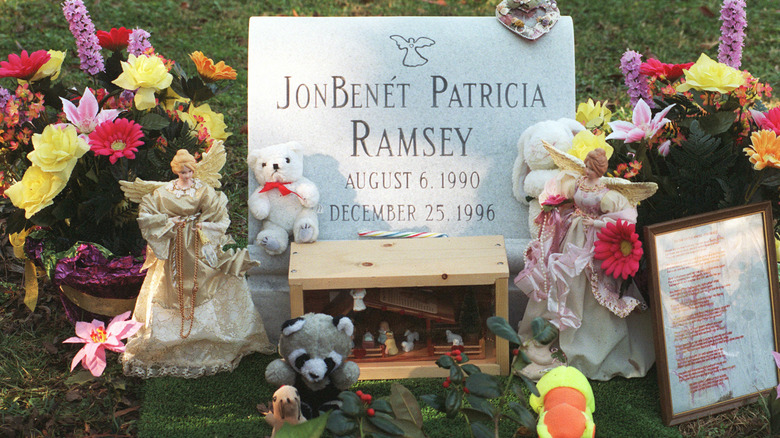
(456, 374)
(339, 424)
(445, 362)
(483, 385)
(481, 430)
(404, 405)
(543, 330)
(435, 401)
(350, 403)
(501, 328)
(470, 369)
(309, 429)
(385, 424)
(382, 406)
(452, 402)
(523, 414)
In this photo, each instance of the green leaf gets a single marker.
(154, 122)
(483, 385)
(470, 369)
(476, 415)
(445, 362)
(350, 403)
(435, 401)
(310, 429)
(381, 405)
(456, 374)
(80, 377)
(481, 405)
(481, 430)
(544, 332)
(501, 327)
(452, 402)
(520, 361)
(717, 123)
(410, 429)
(385, 424)
(405, 406)
(527, 419)
(530, 385)
(339, 424)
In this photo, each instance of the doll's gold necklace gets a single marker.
(180, 279)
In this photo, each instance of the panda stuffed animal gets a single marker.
(314, 350)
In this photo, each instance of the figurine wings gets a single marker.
(633, 191)
(207, 170)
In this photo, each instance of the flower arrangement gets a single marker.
(700, 130)
(64, 150)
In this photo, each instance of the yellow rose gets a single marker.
(708, 75)
(17, 242)
(204, 116)
(51, 68)
(144, 73)
(57, 149)
(36, 190)
(593, 115)
(170, 100)
(586, 141)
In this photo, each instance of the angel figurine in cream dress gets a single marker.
(604, 333)
(198, 317)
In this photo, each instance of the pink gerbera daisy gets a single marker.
(25, 66)
(619, 249)
(118, 138)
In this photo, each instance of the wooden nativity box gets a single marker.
(433, 286)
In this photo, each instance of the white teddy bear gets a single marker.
(533, 165)
(285, 200)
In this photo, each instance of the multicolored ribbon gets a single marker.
(399, 234)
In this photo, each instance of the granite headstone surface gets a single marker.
(408, 123)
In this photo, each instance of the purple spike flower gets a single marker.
(83, 31)
(638, 87)
(138, 42)
(732, 32)
(5, 96)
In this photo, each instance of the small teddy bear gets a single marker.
(314, 350)
(533, 166)
(286, 408)
(285, 201)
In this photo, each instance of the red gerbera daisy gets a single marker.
(670, 72)
(118, 138)
(619, 249)
(115, 39)
(23, 67)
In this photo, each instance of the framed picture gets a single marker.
(714, 291)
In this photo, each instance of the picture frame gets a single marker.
(714, 294)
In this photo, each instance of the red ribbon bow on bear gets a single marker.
(284, 191)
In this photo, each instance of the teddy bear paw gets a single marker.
(306, 233)
(270, 244)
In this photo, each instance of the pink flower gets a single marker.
(554, 200)
(670, 72)
(23, 67)
(643, 127)
(769, 120)
(118, 138)
(619, 249)
(87, 116)
(99, 338)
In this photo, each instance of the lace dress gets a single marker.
(602, 333)
(177, 338)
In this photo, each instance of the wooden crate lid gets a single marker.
(398, 262)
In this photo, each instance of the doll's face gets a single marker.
(185, 174)
(590, 173)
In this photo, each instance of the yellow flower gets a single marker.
(17, 242)
(210, 72)
(36, 190)
(57, 149)
(147, 74)
(593, 115)
(709, 75)
(51, 68)
(170, 100)
(765, 150)
(586, 141)
(203, 116)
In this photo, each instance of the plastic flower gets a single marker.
(138, 42)
(732, 32)
(638, 87)
(553, 200)
(669, 72)
(776, 355)
(768, 120)
(586, 141)
(23, 66)
(643, 126)
(115, 39)
(117, 139)
(83, 30)
(708, 75)
(36, 190)
(209, 71)
(57, 148)
(147, 74)
(764, 150)
(593, 115)
(51, 68)
(619, 249)
(87, 115)
(98, 338)
(203, 116)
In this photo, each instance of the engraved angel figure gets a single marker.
(412, 57)
(603, 332)
(198, 317)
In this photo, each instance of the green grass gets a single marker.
(35, 396)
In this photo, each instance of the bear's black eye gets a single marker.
(301, 360)
(274, 398)
(287, 159)
(263, 164)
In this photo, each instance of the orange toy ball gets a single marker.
(565, 421)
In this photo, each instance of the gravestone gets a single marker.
(408, 124)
